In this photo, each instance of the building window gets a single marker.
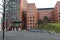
(27, 20)
(30, 20)
(59, 12)
(33, 23)
(27, 26)
(27, 17)
(33, 16)
(33, 20)
(33, 26)
(27, 23)
(59, 16)
(30, 23)
(30, 17)
(59, 19)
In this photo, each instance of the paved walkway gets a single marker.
(24, 35)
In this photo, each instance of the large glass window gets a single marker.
(14, 8)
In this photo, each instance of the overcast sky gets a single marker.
(41, 3)
(0, 7)
(44, 3)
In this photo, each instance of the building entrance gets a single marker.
(15, 26)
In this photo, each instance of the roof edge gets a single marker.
(44, 8)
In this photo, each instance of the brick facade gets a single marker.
(23, 11)
(31, 15)
(45, 12)
(56, 12)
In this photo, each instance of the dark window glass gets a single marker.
(33, 20)
(27, 20)
(30, 17)
(59, 16)
(27, 17)
(30, 20)
(30, 23)
(33, 16)
(59, 13)
(33, 23)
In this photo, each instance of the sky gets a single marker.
(0, 7)
(44, 3)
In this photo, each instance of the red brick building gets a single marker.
(23, 11)
(29, 14)
(56, 12)
(45, 12)
(32, 16)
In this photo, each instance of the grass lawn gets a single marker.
(55, 24)
(51, 27)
